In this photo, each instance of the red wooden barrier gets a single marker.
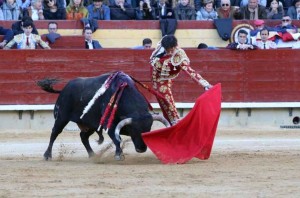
(246, 76)
(64, 42)
(136, 24)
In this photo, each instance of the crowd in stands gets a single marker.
(89, 11)
(263, 37)
(148, 9)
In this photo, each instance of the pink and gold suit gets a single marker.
(165, 69)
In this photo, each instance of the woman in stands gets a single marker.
(53, 11)
(11, 10)
(226, 10)
(35, 11)
(207, 11)
(76, 10)
(167, 61)
(275, 11)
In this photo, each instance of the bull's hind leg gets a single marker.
(56, 130)
(85, 141)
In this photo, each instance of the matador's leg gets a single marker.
(169, 109)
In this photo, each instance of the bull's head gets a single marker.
(128, 121)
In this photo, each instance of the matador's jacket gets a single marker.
(23, 42)
(164, 69)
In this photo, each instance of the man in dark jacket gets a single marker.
(17, 27)
(163, 10)
(8, 35)
(184, 11)
(89, 42)
(253, 11)
(242, 42)
(121, 11)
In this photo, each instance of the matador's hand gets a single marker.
(208, 87)
(205, 84)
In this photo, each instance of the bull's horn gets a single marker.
(161, 119)
(119, 127)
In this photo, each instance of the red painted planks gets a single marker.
(253, 76)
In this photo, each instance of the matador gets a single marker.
(167, 61)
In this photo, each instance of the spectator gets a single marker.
(264, 43)
(243, 42)
(184, 11)
(226, 10)
(260, 2)
(205, 46)
(98, 10)
(52, 11)
(52, 32)
(23, 4)
(27, 40)
(253, 11)
(35, 11)
(202, 46)
(11, 10)
(197, 4)
(76, 11)
(89, 42)
(145, 11)
(258, 25)
(121, 11)
(275, 11)
(287, 31)
(8, 35)
(286, 25)
(17, 27)
(52, 27)
(294, 11)
(147, 44)
(282, 3)
(207, 12)
(163, 10)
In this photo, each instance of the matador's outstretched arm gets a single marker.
(196, 77)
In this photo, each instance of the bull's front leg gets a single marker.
(101, 138)
(85, 141)
(119, 156)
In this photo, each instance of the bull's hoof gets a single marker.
(47, 158)
(120, 157)
(141, 150)
(92, 154)
(101, 139)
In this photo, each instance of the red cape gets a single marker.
(192, 136)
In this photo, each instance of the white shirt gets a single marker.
(266, 45)
(296, 45)
(90, 44)
(163, 9)
(35, 14)
(23, 43)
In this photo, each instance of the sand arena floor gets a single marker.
(244, 163)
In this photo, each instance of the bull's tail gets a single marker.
(47, 85)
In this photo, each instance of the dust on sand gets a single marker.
(251, 163)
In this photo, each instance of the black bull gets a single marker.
(132, 116)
